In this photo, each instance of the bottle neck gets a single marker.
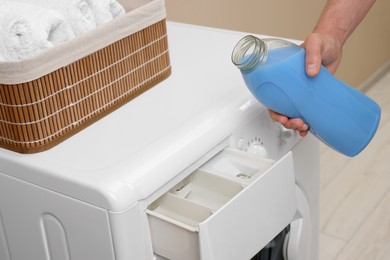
(249, 52)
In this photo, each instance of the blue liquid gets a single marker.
(337, 114)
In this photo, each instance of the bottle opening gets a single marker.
(249, 52)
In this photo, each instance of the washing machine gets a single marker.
(194, 168)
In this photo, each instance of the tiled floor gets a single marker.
(355, 194)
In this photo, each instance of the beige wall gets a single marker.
(367, 50)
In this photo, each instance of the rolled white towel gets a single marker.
(116, 8)
(77, 12)
(26, 30)
(105, 10)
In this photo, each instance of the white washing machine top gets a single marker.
(130, 153)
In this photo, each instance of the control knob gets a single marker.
(256, 148)
(285, 134)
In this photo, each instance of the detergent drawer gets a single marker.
(225, 209)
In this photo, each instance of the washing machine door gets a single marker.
(297, 243)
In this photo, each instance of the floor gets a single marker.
(355, 194)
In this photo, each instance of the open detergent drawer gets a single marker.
(229, 208)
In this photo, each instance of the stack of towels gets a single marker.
(28, 27)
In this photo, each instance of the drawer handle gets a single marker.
(244, 176)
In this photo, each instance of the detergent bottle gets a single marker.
(337, 114)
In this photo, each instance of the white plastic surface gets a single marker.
(229, 220)
(42, 224)
(4, 247)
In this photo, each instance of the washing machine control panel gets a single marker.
(264, 137)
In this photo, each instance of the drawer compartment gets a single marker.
(229, 208)
(207, 189)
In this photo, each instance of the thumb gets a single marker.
(313, 55)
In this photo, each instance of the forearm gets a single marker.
(341, 17)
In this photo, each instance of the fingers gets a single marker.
(294, 123)
(298, 125)
(278, 117)
(332, 67)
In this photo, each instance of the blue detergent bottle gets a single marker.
(337, 114)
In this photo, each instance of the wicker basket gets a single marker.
(45, 100)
